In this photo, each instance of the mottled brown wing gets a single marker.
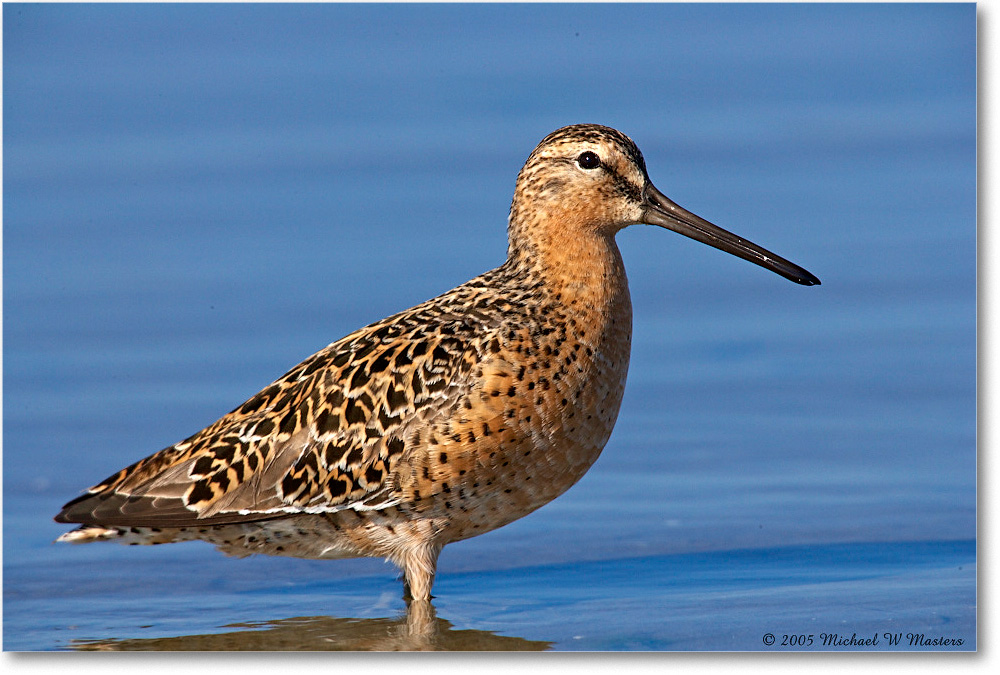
(325, 436)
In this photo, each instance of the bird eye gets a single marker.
(588, 160)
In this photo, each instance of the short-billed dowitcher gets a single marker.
(441, 422)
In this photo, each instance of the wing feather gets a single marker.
(326, 436)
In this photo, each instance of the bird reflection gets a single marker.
(419, 629)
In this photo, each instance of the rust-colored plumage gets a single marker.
(441, 422)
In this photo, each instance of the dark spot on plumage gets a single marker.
(395, 398)
(307, 460)
(380, 363)
(283, 401)
(371, 433)
(201, 491)
(237, 468)
(224, 453)
(373, 475)
(419, 349)
(258, 402)
(337, 487)
(366, 400)
(314, 364)
(395, 446)
(264, 427)
(314, 402)
(364, 350)
(322, 422)
(203, 466)
(385, 419)
(221, 479)
(332, 453)
(359, 378)
(288, 423)
(440, 356)
(354, 456)
(456, 437)
(335, 398)
(354, 413)
(443, 458)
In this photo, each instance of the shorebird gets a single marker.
(442, 422)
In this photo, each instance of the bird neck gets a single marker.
(580, 266)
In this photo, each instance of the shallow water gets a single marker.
(198, 197)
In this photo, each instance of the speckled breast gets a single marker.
(549, 393)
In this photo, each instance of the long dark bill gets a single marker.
(659, 210)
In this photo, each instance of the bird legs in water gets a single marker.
(419, 564)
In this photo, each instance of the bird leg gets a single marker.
(419, 565)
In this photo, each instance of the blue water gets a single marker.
(197, 197)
